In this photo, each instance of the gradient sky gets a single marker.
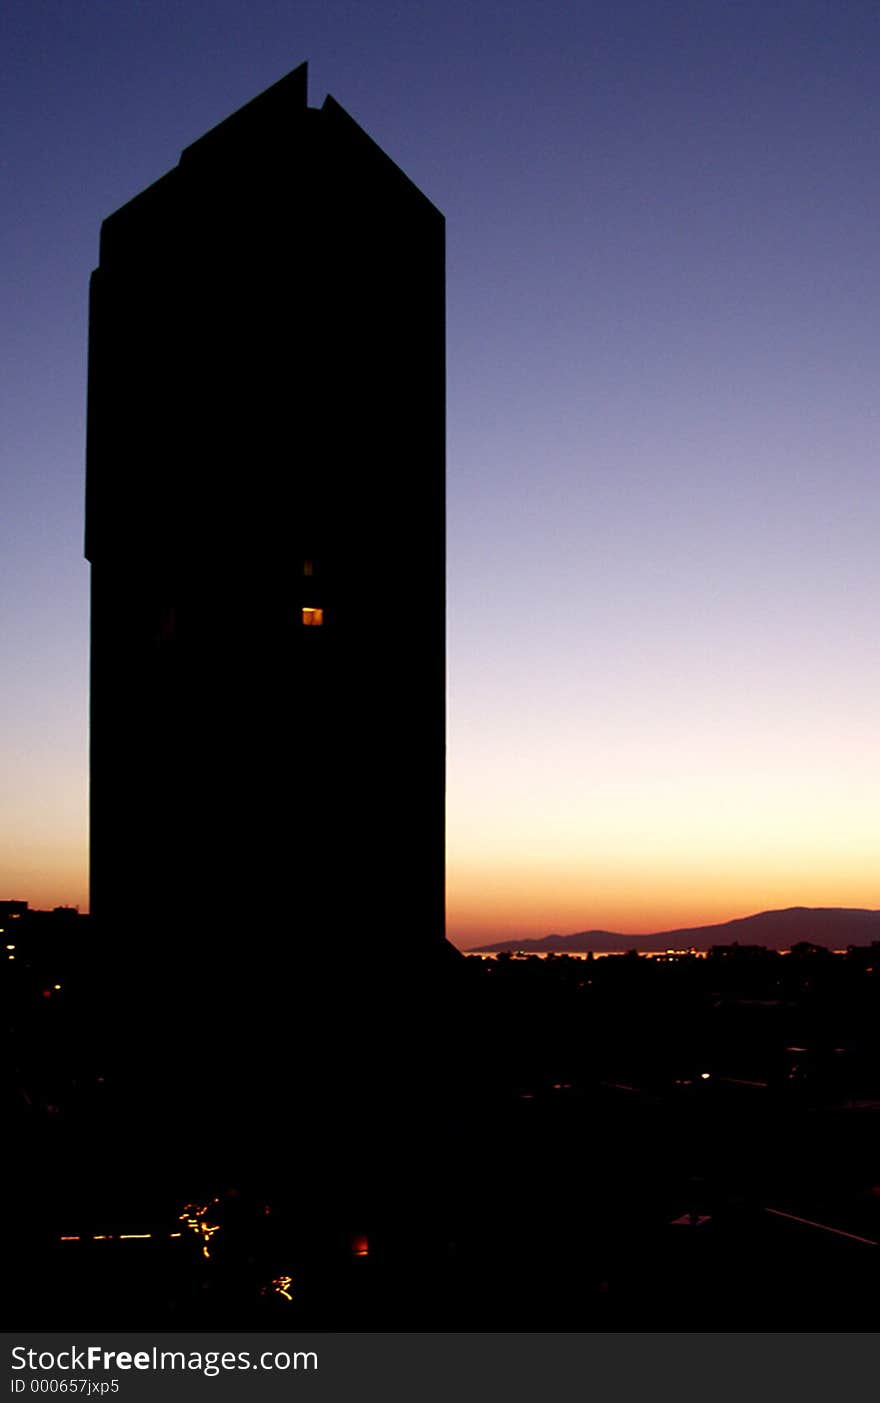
(664, 385)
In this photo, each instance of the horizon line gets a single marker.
(674, 930)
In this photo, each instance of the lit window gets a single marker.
(308, 567)
(312, 618)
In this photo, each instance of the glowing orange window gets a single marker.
(312, 618)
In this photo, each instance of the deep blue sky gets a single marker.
(663, 351)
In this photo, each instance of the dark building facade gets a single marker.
(265, 526)
(265, 522)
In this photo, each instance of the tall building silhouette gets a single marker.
(265, 526)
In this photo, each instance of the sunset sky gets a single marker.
(663, 412)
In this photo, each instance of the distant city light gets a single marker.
(193, 1217)
(360, 1245)
(112, 1237)
(282, 1286)
(704, 1076)
(10, 947)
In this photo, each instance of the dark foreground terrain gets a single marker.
(610, 1144)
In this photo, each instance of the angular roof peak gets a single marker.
(271, 109)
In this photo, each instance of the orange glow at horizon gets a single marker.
(505, 901)
(696, 790)
(631, 835)
(46, 888)
(44, 839)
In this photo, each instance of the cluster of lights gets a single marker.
(113, 1237)
(282, 1285)
(194, 1216)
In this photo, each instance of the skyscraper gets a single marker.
(265, 522)
(265, 526)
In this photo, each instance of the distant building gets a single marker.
(265, 526)
(12, 910)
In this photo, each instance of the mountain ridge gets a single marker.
(833, 926)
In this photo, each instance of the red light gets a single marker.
(47, 993)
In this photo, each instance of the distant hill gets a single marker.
(833, 926)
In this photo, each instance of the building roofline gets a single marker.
(277, 103)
